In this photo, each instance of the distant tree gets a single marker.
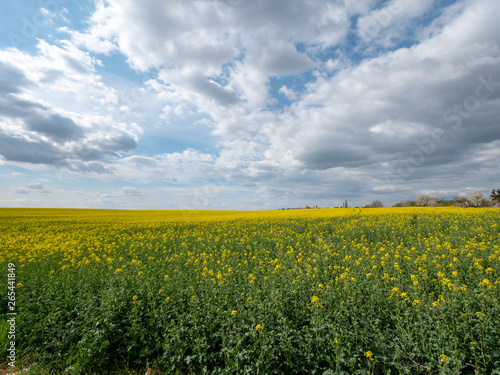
(434, 202)
(475, 199)
(428, 201)
(459, 201)
(495, 196)
(377, 204)
(440, 201)
(423, 200)
(447, 202)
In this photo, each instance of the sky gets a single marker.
(247, 105)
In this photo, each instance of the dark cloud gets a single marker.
(336, 155)
(119, 142)
(11, 79)
(216, 92)
(17, 147)
(13, 107)
(51, 138)
(58, 128)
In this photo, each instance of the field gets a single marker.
(320, 291)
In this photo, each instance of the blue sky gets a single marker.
(232, 104)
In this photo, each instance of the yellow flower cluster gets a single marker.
(414, 258)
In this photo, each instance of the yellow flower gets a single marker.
(258, 327)
(167, 299)
(443, 358)
(118, 270)
(485, 283)
(369, 355)
(134, 298)
(19, 285)
(233, 312)
(414, 279)
(315, 301)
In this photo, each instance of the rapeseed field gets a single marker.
(319, 291)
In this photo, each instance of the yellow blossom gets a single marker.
(443, 358)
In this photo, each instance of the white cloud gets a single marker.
(56, 110)
(191, 41)
(391, 22)
(227, 66)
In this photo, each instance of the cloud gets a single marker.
(54, 130)
(10, 79)
(392, 22)
(131, 191)
(375, 117)
(56, 127)
(35, 187)
(283, 99)
(17, 147)
(210, 53)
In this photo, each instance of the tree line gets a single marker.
(425, 200)
(474, 200)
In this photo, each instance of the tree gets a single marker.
(424, 200)
(495, 196)
(428, 201)
(459, 201)
(377, 204)
(476, 199)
